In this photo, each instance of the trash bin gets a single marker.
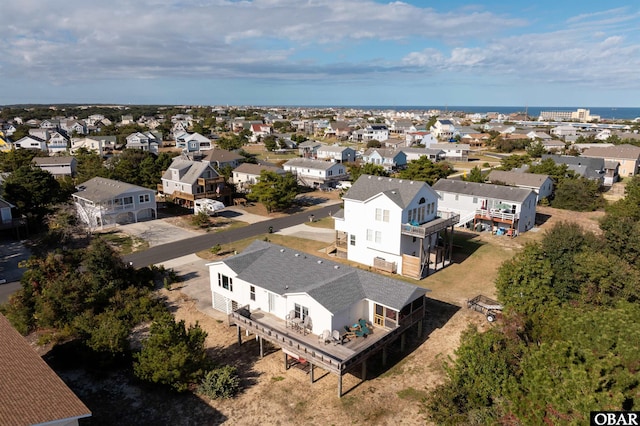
(271, 229)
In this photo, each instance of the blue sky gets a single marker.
(321, 52)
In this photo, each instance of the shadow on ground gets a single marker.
(438, 314)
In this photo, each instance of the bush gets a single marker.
(222, 382)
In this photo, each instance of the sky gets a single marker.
(321, 52)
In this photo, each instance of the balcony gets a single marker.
(431, 227)
(496, 215)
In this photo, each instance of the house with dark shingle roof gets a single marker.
(494, 206)
(290, 298)
(31, 392)
(102, 202)
(314, 173)
(542, 185)
(627, 155)
(187, 180)
(221, 158)
(390, 222)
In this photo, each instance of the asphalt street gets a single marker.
(165, 252)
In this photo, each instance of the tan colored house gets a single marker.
(627, 155)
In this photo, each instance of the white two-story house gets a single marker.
(314, 173)
(147, 141)
(541, 184)
(391, 224)
(102, 202)
(192, 142)
(390, 159)
(340, 154)
(488, 206)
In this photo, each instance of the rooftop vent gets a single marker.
(319, 262)
(297, 255)
(281, 250)
(336, 267)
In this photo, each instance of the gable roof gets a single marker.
(310, 163)
(32, 393)
(219, 155)
(50, 161)
(255, 169)
(335, 286)
(625, 151)
(190, 170)
(102, 189)
(497, 192)
(384, 152)
(531, 180)
(401, 191)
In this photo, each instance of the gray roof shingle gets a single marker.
(335, 286)
(103, 189)
(498, 192)
(531, 180)
(401, 191)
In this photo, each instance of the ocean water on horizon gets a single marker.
(610, 113)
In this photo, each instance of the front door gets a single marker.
(272, 302)
(378, 316)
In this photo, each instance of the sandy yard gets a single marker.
(272, 395)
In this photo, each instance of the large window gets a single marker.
(252, 292)
(225, 282)
(128, 200)
(301, 311)
(352, 239)
(144, 198)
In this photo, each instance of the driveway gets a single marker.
(157, 232)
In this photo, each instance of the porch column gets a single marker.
(239, 333)
(451, 245)
(403, 339)
(261, 347)
(364, 370)
(311, 372)
(420, 328)
(286, 361)
(339, 385)
(384, 355)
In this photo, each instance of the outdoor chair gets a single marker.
(349, 332)
(307, 325)
(325, 337)
(336, 338)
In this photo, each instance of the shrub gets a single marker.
(221, 382)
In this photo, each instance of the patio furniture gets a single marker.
(362, 329)
(350, 331)
(337, 338)
(325, 337)
(307, 325)
(289, 318)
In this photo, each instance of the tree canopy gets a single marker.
(568, 342)
(276, 192)
(426, 170)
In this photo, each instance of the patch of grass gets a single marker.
(277, 378)
(412, 394)
(302, 244)
(125, 244)
(325, 222)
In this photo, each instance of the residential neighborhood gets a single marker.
(320, 247)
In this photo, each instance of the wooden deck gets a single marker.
(337, 359)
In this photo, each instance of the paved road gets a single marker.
(164, 252)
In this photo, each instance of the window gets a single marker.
(378, 237)
(144, 198)
(301, 311)
(128, 200)
(457, 196)
(475, 200)
(252, 293)
(225, 282)
(382, 215)
(352, 239)
(369, 234)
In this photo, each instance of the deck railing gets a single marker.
(431, 227)
(497, 214)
